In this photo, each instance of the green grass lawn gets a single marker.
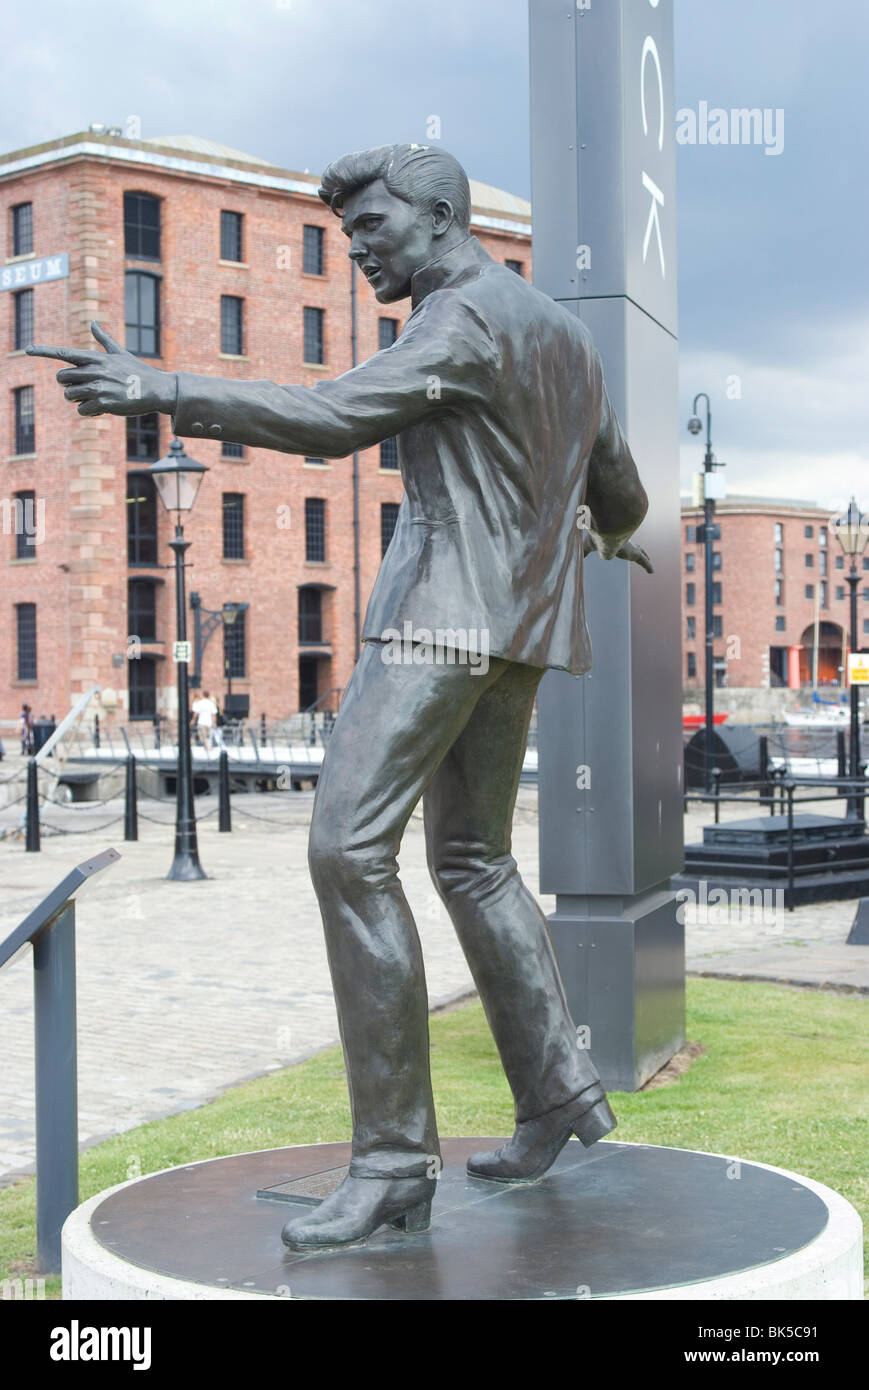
(783, 1080)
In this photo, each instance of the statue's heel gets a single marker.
(595, 1123)
(416, 1218)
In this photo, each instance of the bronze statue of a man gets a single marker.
(504, 432)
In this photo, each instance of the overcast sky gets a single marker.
(772, 249)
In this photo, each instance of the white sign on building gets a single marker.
(27, 273)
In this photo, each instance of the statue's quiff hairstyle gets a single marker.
(420, 174)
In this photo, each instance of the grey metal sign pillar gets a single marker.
(610, 745)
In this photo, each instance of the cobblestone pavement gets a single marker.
(185, 988)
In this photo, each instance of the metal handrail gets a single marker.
(50, 928)
(787, 786)
(335, 690)
(78, 708)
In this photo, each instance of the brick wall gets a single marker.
(78, 579)
(748, 607)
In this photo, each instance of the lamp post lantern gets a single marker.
(695, 426)
(852, 533)
(177, 478)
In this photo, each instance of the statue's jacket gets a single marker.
(504, 429)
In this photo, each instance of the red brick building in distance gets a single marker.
(204, 259)
(776, 568)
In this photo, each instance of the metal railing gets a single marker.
(782, 788)
(50, 929)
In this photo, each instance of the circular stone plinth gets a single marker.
(614, 1221)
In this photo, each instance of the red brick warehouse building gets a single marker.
(204, 259)
(779, 577)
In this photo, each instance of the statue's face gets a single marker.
(390, 240)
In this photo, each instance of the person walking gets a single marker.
(26, 730)
(204, 710)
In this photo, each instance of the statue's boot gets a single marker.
(356, 1209)
(536, 1143)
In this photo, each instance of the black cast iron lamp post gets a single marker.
(177, 478)
(695, 426)
(852, 533)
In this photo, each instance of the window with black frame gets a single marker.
(388, 521)
(142, 676)
(235, 645)
(233, 526)
(142, 313)
(232, 325)
(387, 332)
(142, 514)
(25, 622)
(313, 239)
(142, 609)
(25, 525)
(313, 335)
(143, 438)
(310, 616)
(23, 335)
(22, 229)
(24, 412)
(389, 454)
(315, 529)
(231, 236)
(142, 226)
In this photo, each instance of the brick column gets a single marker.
(96, 597)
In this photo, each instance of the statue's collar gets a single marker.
(447, 269)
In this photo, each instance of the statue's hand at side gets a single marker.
(628, 551)
(113, 382)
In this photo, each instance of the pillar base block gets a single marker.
(622, 961)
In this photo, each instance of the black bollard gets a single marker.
(131, 813)
(716, 785)
(32, 842)
(763, 757)
(224, 813)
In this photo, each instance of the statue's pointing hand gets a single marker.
(113, 382)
